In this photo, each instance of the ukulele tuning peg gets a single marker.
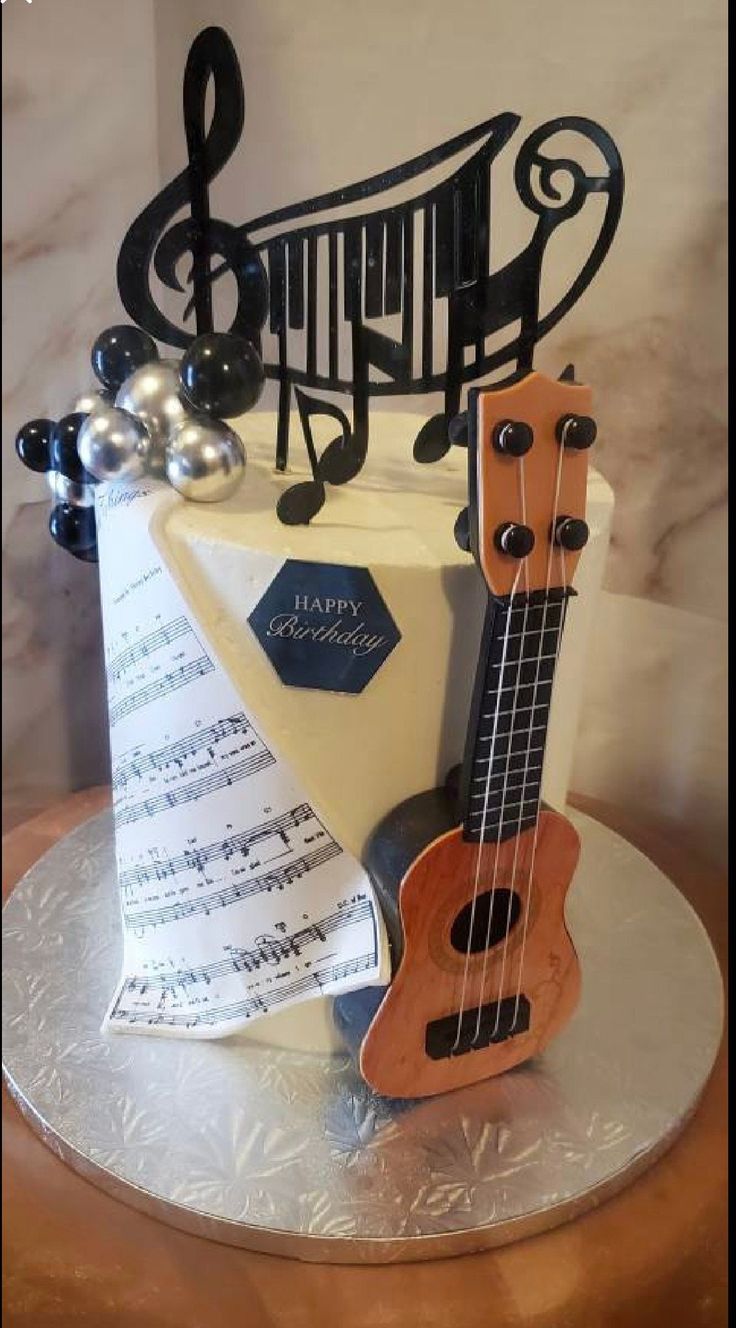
(576, 432)
(458, 429)
(513, 437)
(570, 533)
(462, 530)
(515, 540)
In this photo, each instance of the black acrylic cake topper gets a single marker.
(366, 265)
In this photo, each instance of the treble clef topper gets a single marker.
(385, 287)
(152, 241)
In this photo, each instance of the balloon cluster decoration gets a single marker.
(150, 416)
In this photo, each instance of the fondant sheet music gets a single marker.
(236, 899)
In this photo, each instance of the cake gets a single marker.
(360, 754)
(300, 644)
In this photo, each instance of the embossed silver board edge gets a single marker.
(292, 1154)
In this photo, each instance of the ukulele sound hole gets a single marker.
(491, 921)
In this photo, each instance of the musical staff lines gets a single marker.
(323, 978)
(223, 754)
(198, 858)
(269, 950)
(198, 788)
(141, 650)
(176, 753)
(277, 879)
(170, 682)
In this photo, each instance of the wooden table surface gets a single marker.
(654, 1255)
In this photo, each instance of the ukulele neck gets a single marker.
(500, 790)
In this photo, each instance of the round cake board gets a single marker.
(292, 1154)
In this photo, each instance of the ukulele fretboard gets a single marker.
(507, 734)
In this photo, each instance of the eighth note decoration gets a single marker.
(342, 293)
(152, 417)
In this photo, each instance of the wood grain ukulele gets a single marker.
(473, 877)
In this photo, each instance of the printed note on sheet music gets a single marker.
(236, 900)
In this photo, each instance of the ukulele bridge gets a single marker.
(499, 1020)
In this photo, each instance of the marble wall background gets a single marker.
(334, 92)
(79, 151)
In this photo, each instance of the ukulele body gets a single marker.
(405, 1037)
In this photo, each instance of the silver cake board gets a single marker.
(291, 1154)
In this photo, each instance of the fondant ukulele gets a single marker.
(487, 973)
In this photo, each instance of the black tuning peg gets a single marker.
(514, 539)
(462, 530)
(570, 533)
(513, 437)
(576, 431)
(457, 429)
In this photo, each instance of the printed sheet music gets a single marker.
(236, 900)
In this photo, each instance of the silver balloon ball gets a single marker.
(205, 460)
(113, 446)
(87, 402)
(156, 461)
(153, 395)
(70, 491)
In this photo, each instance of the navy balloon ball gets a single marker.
(73, 528)
(64, 454)
(119, 351)
(222, 374)
(33, 445)
(86, 555)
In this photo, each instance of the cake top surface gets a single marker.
(395, 511)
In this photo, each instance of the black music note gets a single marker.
(340, 461)
(212, 55)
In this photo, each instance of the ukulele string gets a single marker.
(518, 846)
(539, 660)
(532, 856)
(484, 815)
(507, 770)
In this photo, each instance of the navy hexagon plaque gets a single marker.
(324, 626)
